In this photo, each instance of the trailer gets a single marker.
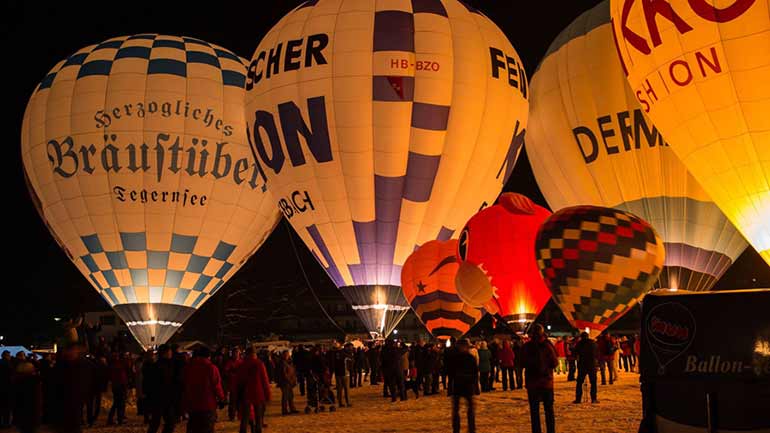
(705, 362)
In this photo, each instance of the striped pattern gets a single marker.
(420, 131)
(428, 281)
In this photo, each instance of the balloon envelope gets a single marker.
(428, 281)
(474, 287)
(598, 263)
(382, 126)
(500, 240)
(699, 70)
(136, 157)
(590, 143)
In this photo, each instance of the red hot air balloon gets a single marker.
(428, 281)
(500, 240)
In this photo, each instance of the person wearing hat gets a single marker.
(539, 359)
(161, 386)
(463, 372)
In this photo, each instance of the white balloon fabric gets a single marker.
(382, 126)
(136, 156)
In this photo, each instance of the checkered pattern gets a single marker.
(179, 275)
(155, 54)
(598, 262)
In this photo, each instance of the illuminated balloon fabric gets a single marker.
(501, 240)
(428, 281)
(700, 72)
(573, 115)
(473, 286)
(136, 157)
(598, 263)
(381, 126)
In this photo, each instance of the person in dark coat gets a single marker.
(586, 354)
(99, 379)
(90, 330)
(359, 362)
(301, 360)
(485, 366)
(341, 358)
(118, 373)
(27, 399)
(505, 358)
(6, 390)
(45, 370)
(494, 348)
(435, 362)
(539, 358)
(464, 374)
(71, 386)
(287, 380)
(392, 372)
(446, 361)
(373, 355)
(161, 387)
(518, 367)
(426, 369)
(419, 360)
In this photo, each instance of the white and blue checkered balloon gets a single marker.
(136, 157)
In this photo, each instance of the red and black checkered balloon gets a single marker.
(598, 262)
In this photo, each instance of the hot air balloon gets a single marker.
(598, 263)
(137, 160)
(500, 241)
(590, 143)
(699, 70)
(381, 126)
(428, 281)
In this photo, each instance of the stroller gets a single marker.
(319, 392)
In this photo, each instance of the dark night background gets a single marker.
(41, 283)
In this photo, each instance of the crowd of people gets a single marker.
(169, 386)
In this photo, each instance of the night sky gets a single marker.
(43, 283)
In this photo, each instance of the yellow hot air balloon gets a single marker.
(381, 126)
(590, 143)
(136, 157)
(699, 69)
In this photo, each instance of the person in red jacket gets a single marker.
(569, 348)
(561, 352)
(539, 359)
(231, 383)
(635, 355)
(505, 358)
(254, 390)
(202, 392)
(625, 354)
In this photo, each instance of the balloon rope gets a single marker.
(289, 229)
